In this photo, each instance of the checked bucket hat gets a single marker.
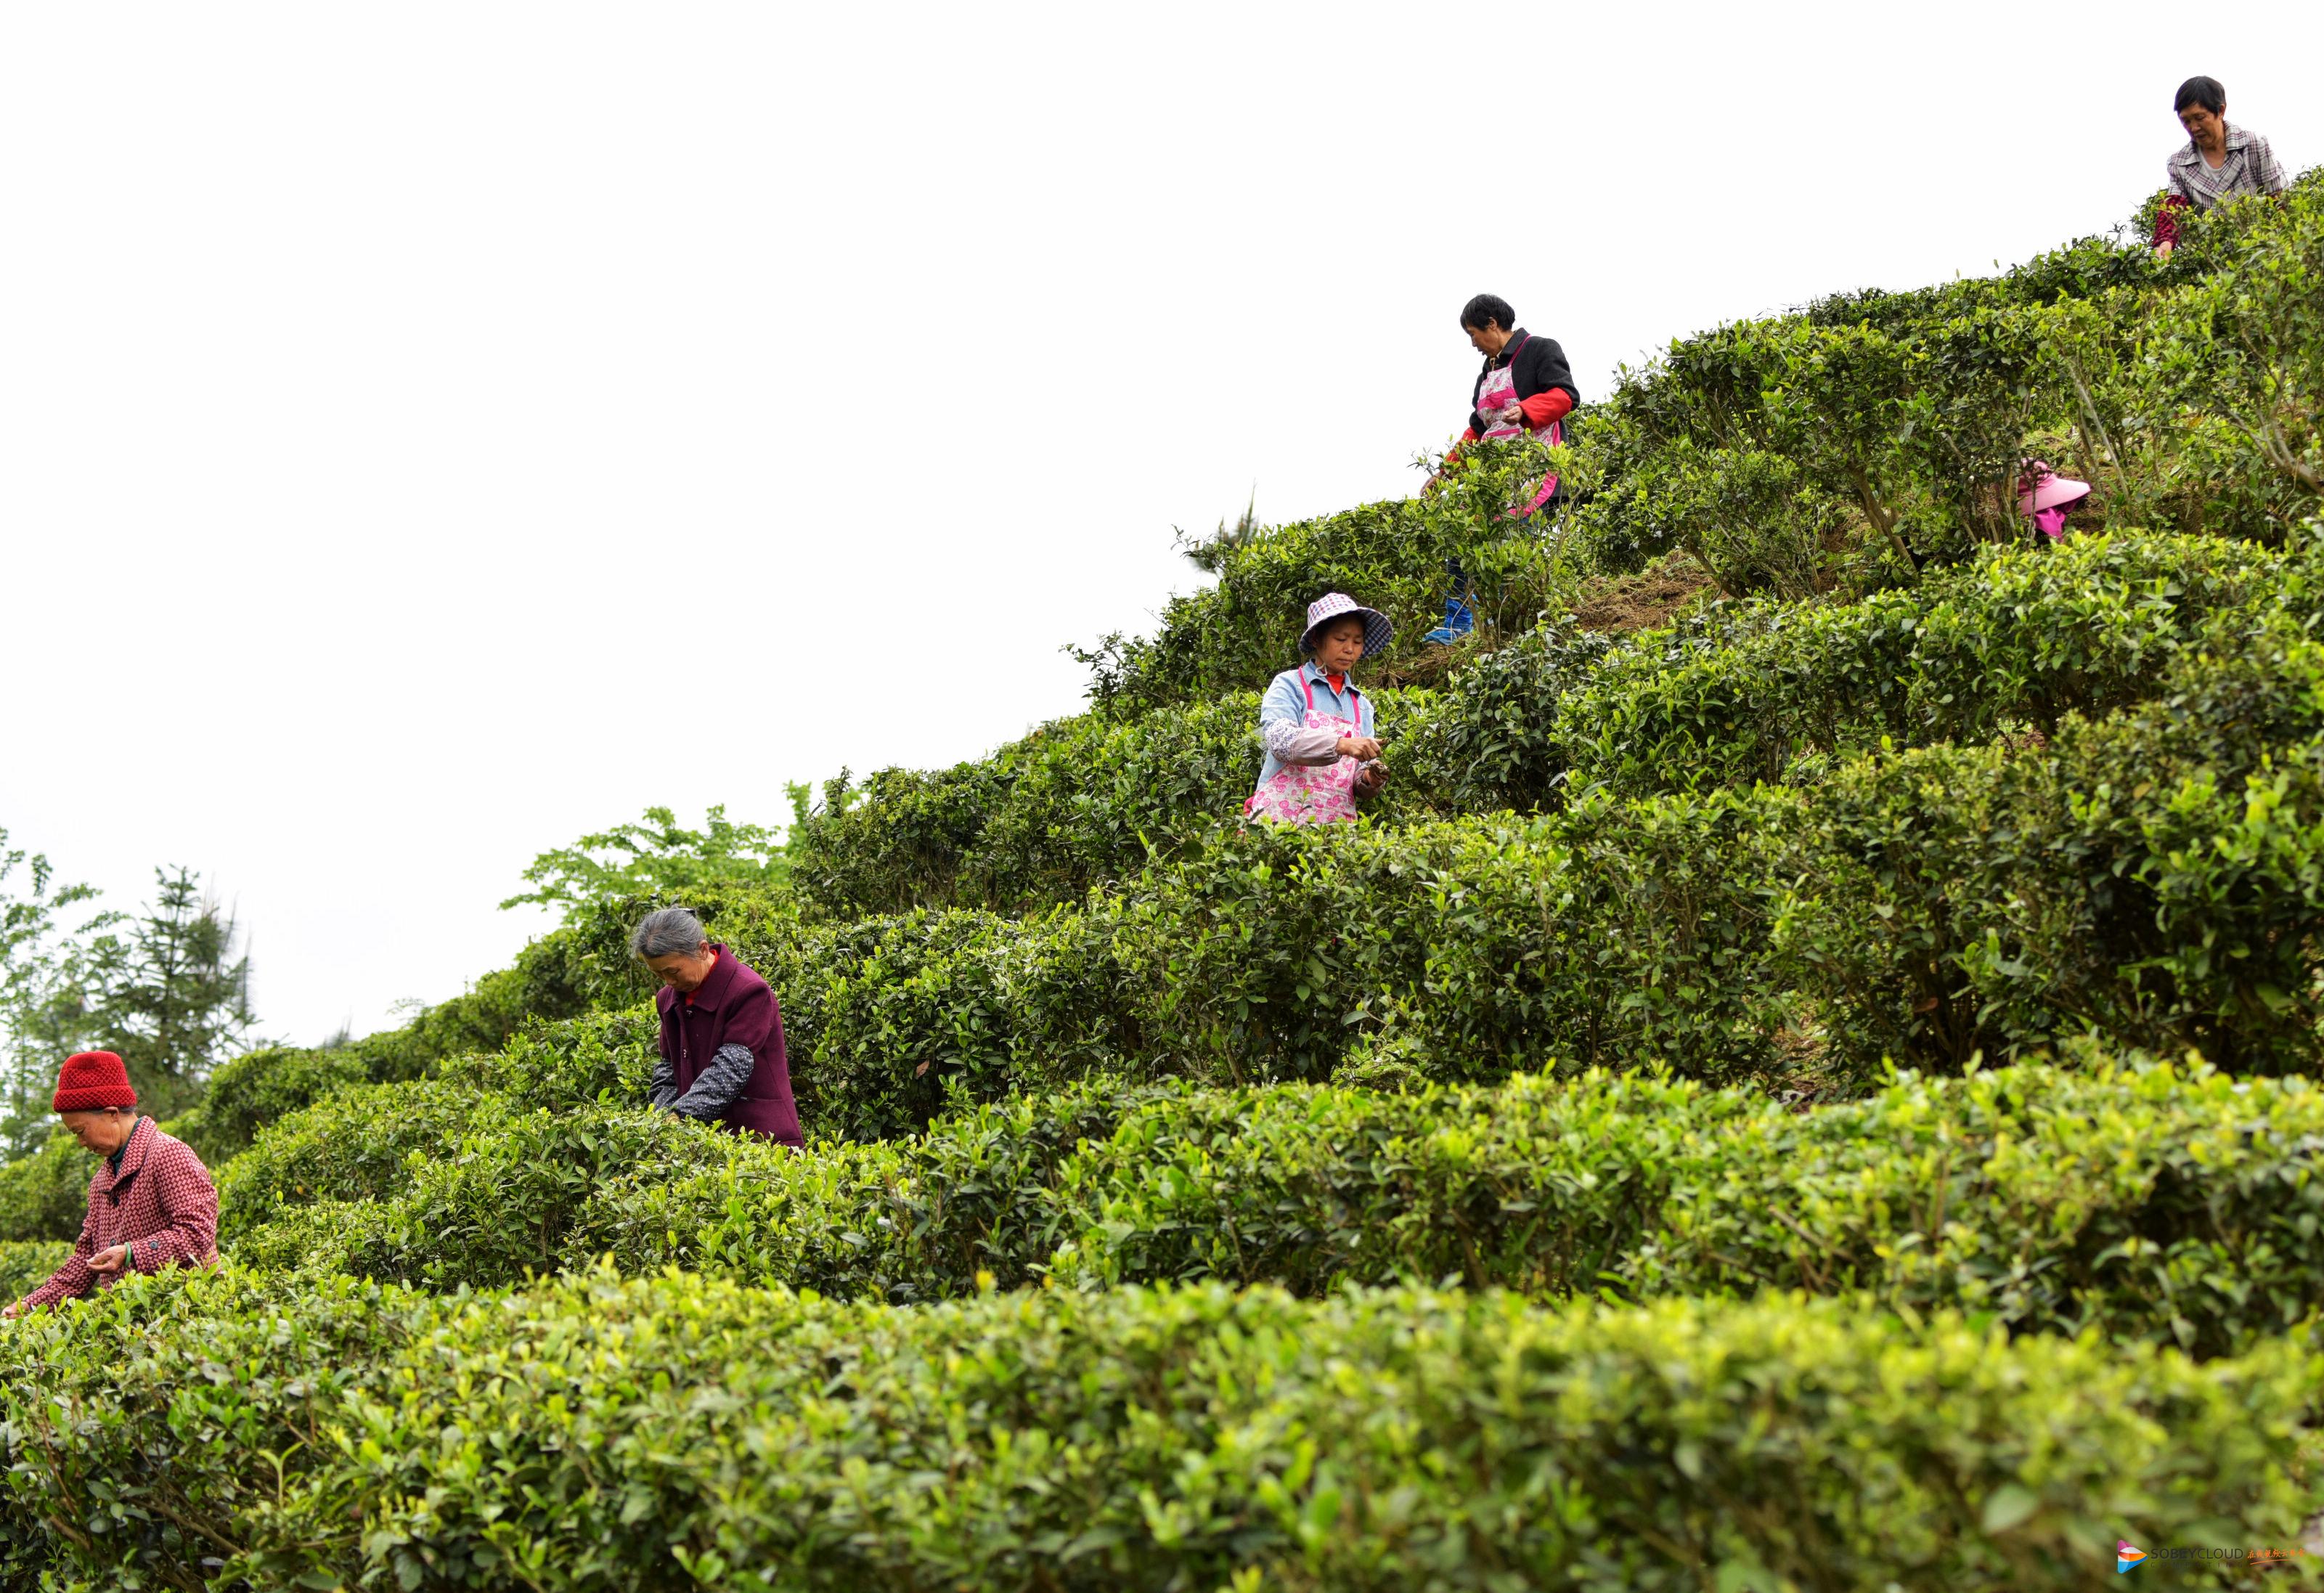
(1377, 627)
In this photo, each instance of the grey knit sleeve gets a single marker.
(1292, 742)
(662, 1090)
(717, 1086)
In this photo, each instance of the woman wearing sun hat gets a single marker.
(1322, 748)
(151, 1204)
(2045, 497)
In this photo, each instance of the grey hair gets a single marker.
(668, 932)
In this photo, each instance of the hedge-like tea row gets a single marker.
(287, 1431)
(1691, 934)
(2146, 1203)
(1753, 692)
(1077, 803)
(1879, 435)
(2155, 876)
(1747, 693)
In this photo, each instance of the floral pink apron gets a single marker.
(1312, 793)
(1499, 391)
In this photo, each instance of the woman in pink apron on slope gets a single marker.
(1525, 389)
(1322, 747)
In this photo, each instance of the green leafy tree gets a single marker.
(46, 967)
(171, 993)
(655, 855)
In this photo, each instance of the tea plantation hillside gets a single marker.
(1817, 1089)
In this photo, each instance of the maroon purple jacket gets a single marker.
(732, 1008)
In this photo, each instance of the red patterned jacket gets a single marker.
(162, 1203)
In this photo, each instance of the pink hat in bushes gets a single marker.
(2039, 487)
(1330, 607)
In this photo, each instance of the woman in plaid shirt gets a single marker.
(2218, 163)
(151, 1205)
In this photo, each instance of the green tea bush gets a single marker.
(2022, 640)
(280, 1432)
(1236, 635)
(1076, 804)
(1614, 933)
(352, 1144)
(924, 1219)
(258, 1087)
(1755, 692)
(606, 1056)
(2145, 1202)
(496, 1199)
(2155, 876)
(898, 1015)
(1925, 905)
(1745, 693)
(1847, 448)
(2240, 354)
(561, 975)
(45, 1195)
(26, 1264)
(553, 978)
(900, 1220)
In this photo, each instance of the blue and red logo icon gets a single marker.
(2126, 1557)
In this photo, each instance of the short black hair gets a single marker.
(1486, 309)
(2207, 92)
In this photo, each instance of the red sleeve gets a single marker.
(2166, 220)
(73, 1278)
(1544, 408)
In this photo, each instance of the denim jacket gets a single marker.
(1283, 714)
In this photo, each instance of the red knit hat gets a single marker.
(91, 1082)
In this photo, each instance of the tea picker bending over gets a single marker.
(1525, 389)
(151, 1205)
(1322, 747)
(722, 1034)
(2046, 498)
(2218, 163)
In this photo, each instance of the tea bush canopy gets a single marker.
(1811, 1075)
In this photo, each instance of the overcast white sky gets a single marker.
(430, 432)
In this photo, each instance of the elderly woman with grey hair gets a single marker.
(722, 1034)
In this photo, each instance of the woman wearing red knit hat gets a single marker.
(151, 1205)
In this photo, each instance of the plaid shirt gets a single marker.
(2249, 167)
(160, 1202)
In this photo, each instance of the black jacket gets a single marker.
(1541, 365)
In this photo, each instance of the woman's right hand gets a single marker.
(1364, 746)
